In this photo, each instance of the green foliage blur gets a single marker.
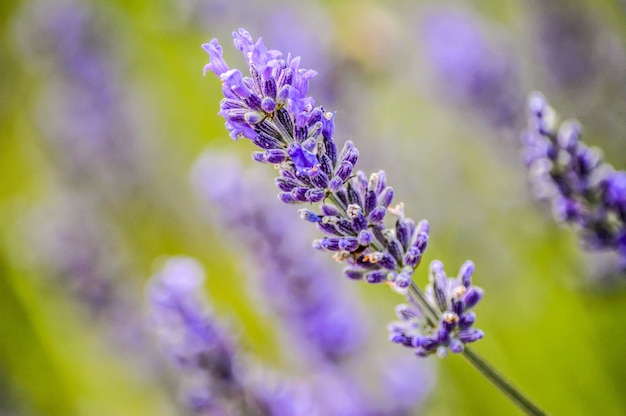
(551, 313)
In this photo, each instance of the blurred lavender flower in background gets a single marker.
(82, 113)
(569, 45)
(80, 252)
(577, 52)
(584, 190)
(470, 69)
(318, 315)
(214, 379)
(299, 285)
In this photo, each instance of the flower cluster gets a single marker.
(204, 351)
(452, 298)
(215, 381)
(271, 108)
(584, 190)
(81, 114)
(471, 69)
(188, 335)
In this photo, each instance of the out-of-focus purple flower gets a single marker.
(202, 350)
(298, 286)
(568, 43)
(470, 69)
(79, 252)
(321, 318)
(584, 190)
(82, 112)
(452, 298)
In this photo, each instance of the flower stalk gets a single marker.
(512, 392)
(271, 108)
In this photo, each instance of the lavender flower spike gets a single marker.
(191, 339)
(584, 190)
(297, 138)
(271, 108)
(452, 298)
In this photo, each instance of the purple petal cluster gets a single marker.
(453, 299)
(189, 336)
(584, 190)
(271, 108)
(204, 352)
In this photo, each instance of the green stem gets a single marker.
(502, 383)
(416, 295)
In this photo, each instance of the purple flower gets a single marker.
(74, 246)
(452, 298)
(203, 351)
(584, 191)
(312, 170)
(179, 314)
(570, 45)
(217, 65)
(82, 112)
(469, 68)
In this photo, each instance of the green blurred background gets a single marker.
(107, 211)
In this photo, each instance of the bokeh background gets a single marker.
(104, 109)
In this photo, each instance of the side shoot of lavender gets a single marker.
(584, 191)
(271, 108)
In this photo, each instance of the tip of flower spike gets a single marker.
(217, 63)
(537, 103)
(181, 274)
(423, 227)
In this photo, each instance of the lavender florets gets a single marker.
(201, 349)
(584, 190)
(271, 109)
(297, 137)
(187, 334)
(452, 299)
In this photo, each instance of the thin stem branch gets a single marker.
(502, 383)
(417, 295)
